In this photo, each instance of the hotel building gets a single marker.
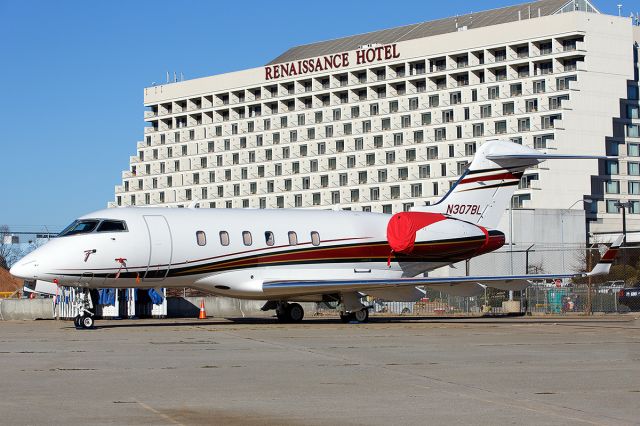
(389, 119)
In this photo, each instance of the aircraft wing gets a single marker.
(446, 284)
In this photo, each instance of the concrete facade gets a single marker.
(397, 131)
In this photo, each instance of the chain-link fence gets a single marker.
(601, 294)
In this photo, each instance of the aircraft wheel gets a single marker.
(76, 321)
(295, 311)
(86, 322)
(362, 315)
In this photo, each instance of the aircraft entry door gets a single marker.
(160, 248)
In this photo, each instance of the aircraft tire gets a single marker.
(86, 322)
(362, 315)
(295, 312)
(76, 321)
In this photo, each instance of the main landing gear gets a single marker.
(83, 303)
(352, 309)
(285, 311)
(289, 312)
(360, 316)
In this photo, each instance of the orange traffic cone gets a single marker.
(203, 313)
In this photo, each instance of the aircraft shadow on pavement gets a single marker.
(503, 320)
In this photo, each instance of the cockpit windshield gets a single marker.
(86, 226)
(80, 227)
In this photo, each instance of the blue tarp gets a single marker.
(107, 296)
(156, 297)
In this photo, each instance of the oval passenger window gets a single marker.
(315, 238)
(269, 238)
(246, 238)
(201, 238)
(293, 238)
(224, 238)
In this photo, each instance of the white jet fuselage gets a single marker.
(232, 252)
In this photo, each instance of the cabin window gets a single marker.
(112, 226)
(246, 238)
(315, 238)
(293, 238)
(201, 238)
(269, 238)
(224, 238)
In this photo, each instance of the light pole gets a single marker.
(624, 206)
(585, 200)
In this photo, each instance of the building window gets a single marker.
(539, 86)
(611, 206)
(633, 169)
(540, 142)
(485, 111)
(374, 194)
(508, 108)
(335, 197)
(469, 148)
(612, 187)
(395, 192)
(390, 157)
(493, 92)
(224, 238)
(416, 190)
(524, 124)
(293, 238)
(500, 127)
(611, 167)
(432, 153)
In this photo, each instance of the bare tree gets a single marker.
(9, 253)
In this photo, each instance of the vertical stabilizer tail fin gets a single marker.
(484, 191)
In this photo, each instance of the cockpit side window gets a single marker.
(112, 226)
(80, 227)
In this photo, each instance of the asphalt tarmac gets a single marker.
(424, 371)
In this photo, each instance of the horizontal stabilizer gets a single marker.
(543, 156)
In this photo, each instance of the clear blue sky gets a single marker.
(72, 75)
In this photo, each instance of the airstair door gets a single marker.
(160, 248)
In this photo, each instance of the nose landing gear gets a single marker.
(84, 304)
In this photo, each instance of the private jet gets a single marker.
(287, 256)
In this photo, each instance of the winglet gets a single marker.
(602, 267)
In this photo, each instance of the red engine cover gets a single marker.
(402, 228)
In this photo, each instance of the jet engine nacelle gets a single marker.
(434, 236)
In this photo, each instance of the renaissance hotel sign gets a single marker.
(331, 62)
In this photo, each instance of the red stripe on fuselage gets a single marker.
(500, 176)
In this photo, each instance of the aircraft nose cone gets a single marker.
(25, 270)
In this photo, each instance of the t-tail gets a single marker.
(484, 190)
